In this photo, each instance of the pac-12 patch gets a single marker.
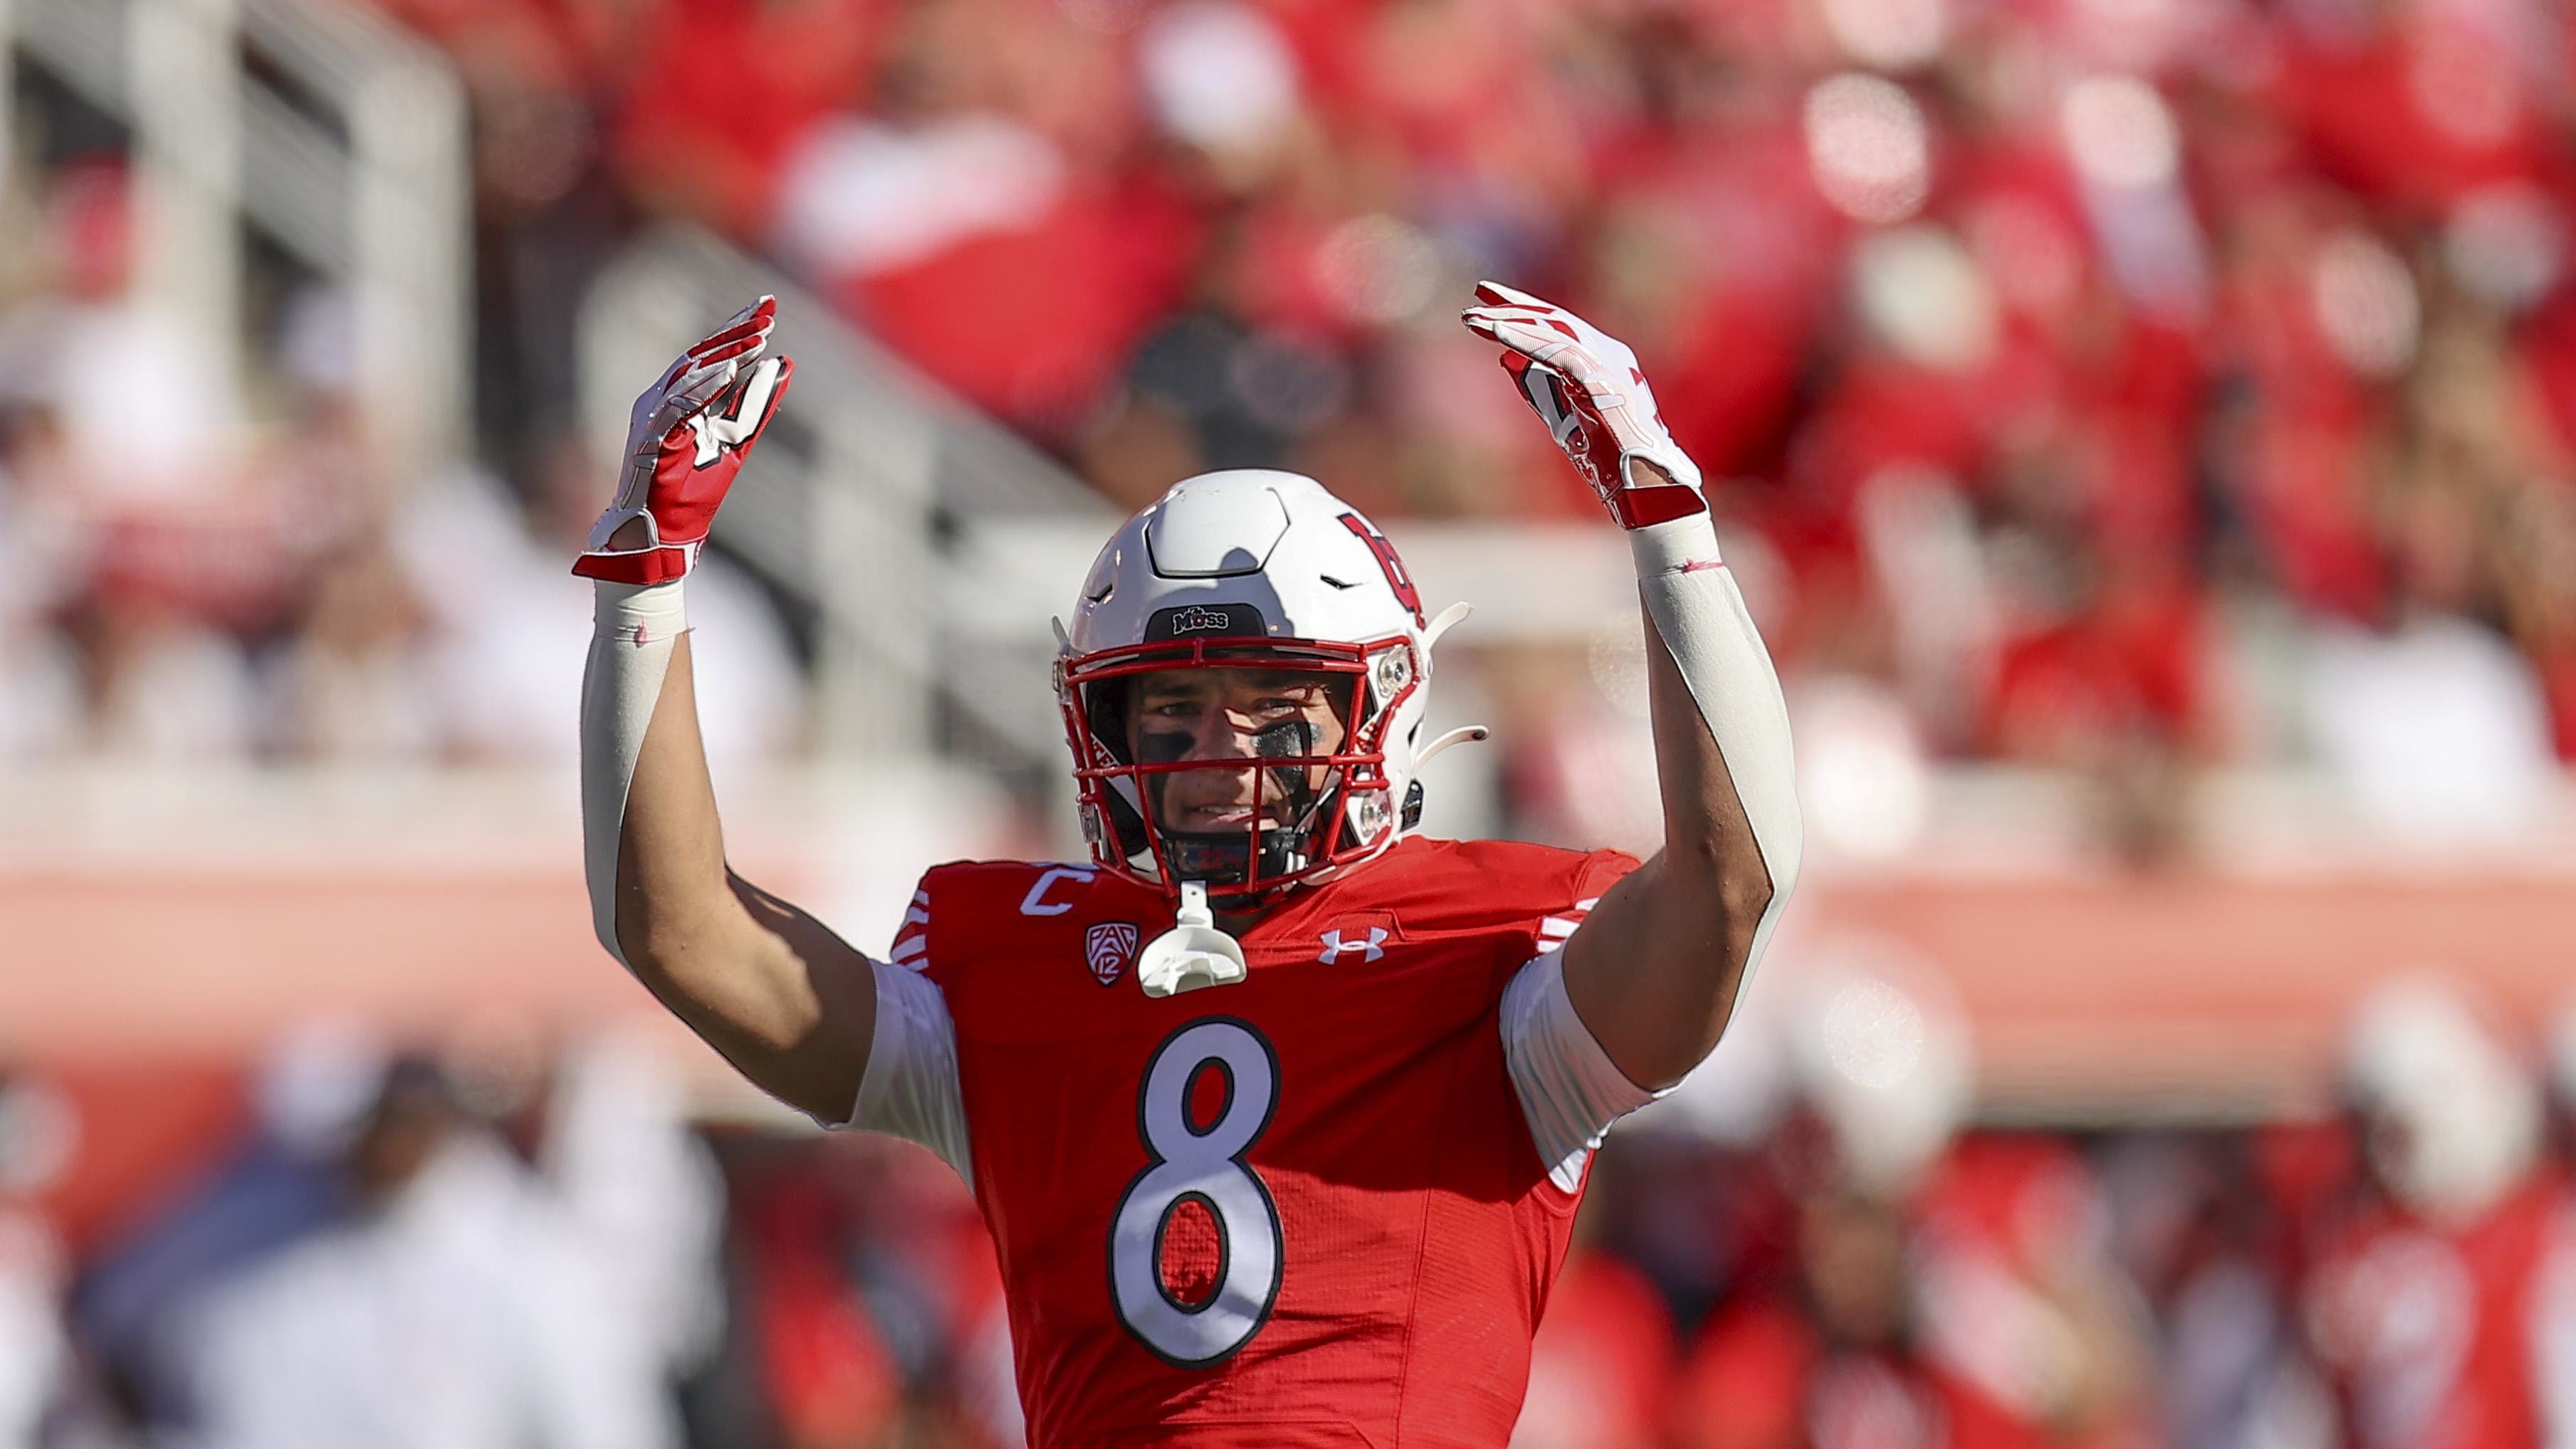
(1108, 947)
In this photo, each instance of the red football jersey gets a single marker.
(1301, 1209)
(2424, 1331)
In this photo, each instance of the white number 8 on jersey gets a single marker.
(1206, 1168)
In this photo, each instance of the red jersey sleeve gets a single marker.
(911, 948)
(1599, 871)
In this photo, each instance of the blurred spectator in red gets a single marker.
(1833, 1356)
(2195, 312)
(2022, 1302)
(712, 100)
(2420, 1301)
(874, 1299)
(1601, 1366)
(982, 218)
(1912, 1326)
(160, 685)
(1937, 1291)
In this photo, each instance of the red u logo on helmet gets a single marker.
(1396, 578)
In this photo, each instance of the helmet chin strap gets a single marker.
(1441, 623)
(1462, 735)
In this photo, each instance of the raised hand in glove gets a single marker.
(1586, 386)
(691, 431)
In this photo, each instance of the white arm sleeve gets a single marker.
(633, 632)
(1570, 1091)
(910, 1089)
(1697, 609)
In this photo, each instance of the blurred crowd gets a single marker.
(2114, 384)
(513, 1241)
(520, 1244)
(203, 563)
(2120, 385)
(2123, 386)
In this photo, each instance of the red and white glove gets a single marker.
(690, 433)
(1588, 389)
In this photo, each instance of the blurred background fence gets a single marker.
(2150, 433)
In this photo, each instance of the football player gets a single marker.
(2422, 1297)
(1277, 1109)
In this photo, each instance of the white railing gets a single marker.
(338, 136)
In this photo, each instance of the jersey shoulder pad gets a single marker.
(965, 913)
(1465, 884)
(1542, 865)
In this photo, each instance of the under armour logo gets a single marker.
(1335, 947)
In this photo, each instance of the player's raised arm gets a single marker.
(782, 998)
(1655, 969)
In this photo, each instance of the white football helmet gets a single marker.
(1252, 569)
(2454, 1115)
